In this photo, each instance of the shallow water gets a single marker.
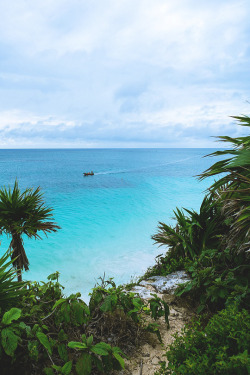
(107, 219)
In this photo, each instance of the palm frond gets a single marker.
(10, 290)
(233, 186)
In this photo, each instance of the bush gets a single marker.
(121, 314)
(219, 348)
(194, 231)
(219, 278)
(166, 265)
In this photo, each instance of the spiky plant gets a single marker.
(233, 188)
(23, 213)
(10, 290)
(194, 231)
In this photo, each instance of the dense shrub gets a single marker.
(219, 348)
(111, 306)
(194, 231)
(219, 278)
(166, 264)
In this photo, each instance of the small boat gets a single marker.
(88, 173)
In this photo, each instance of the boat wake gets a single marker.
(143, 168)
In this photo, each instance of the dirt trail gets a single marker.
(145, 360)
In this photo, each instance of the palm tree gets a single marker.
(23, 213)
(233, 187)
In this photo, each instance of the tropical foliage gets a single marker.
(194, 231)
(219, 279)
(47, 332)
(23, 213)
(232, 190)
(213, 247)
(10, 290)
(219, 348)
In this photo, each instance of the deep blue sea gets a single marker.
(107, 219)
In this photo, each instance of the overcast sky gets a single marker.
(122, 73)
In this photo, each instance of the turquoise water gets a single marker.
(107, 219)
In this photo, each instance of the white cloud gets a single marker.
(111, 67)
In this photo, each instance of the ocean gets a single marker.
(107, 219)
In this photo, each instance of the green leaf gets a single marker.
(166, 311)
(77, 345)
(24, 326)
(59, 302)
(137, 303)
(65, 309)
(44, 341)
(46, 328)
(9, 341)
(84, 338)
(33, 350)
(62, 351)
(104, 345)
(35, 328)
(62, 336)
(116, 349)
(89, 340)
(119, 359)
(84, 364)
(109, 302)
(66, 369)
(53, 276)
(12, 314)
(48, 371)
(96, 298)
(78, 312)
(100, 349)
(98, 363)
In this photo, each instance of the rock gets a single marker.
(155, 361)
(169, 283)
(160, 284)
(146, 350)
(143, 292)
(146, 283)
(170, 299)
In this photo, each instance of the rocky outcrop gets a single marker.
(161, 284)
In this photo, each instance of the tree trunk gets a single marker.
(19, 257)
(19, 275)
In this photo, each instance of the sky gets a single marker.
(122, 73)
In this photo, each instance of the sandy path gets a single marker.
(145, 360)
